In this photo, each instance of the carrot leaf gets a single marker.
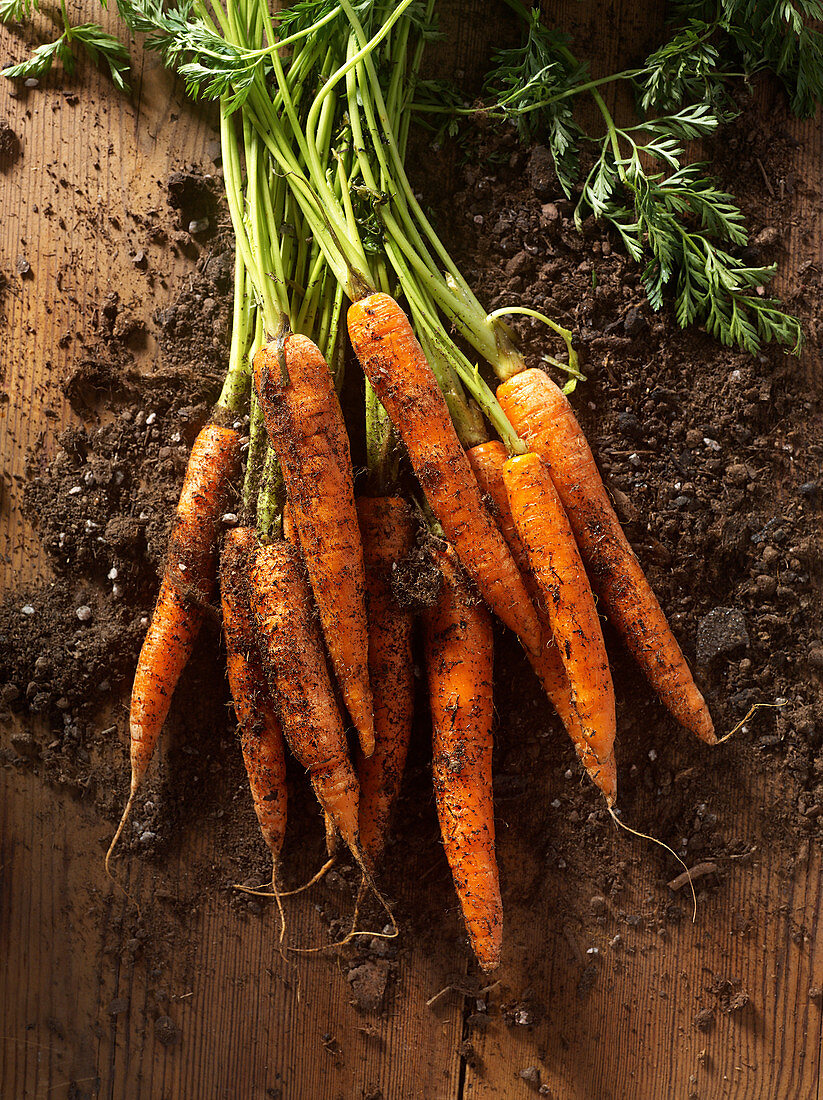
(15, 11)
(42, 60)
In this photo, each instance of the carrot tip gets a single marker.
(115, 838)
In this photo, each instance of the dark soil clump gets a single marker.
(9, 146)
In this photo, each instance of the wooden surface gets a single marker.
(65, 937)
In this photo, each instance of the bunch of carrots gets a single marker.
(500, 485)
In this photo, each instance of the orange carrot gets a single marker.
(187, 585)
(305, 426)
(542, 415)
(295, 667)
(556, 563)
(459, 658)
(487, 462)
(387, 531)
(261, 737)
(403, 380)
(289, 530)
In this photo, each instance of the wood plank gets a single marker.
(67, 938)
(68, 941)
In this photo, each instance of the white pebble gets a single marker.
(27, 609)
(569, 774)
(229, 519)
(712, 444)
(556, 804)
(83, 613)
(144, 620)
(176, 437)
(116, 591)
(652, 755)
(75, 489)
(113, 573)
(593, 951)
(150, 419)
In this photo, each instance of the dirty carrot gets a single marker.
(397, 368)
(543, 416)
(290, 535)
(261, 738)
(556, 563)
(306, 429)
(295, 667)
(187, 585)
(459, 661)
(488, 461)
(387, 531)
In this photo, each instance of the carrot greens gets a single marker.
(669, 213)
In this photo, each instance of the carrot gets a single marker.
(261, 737)
(290, 535)
(542, 415)
(459, 659)
(295, 668)
(555, 561)
(305, 426)
(403, 380)
(387, 531)
(289, 530)
(187, 585)
(488, 461)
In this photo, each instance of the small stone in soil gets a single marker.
(541, 172)
(634, 323)
(704, 1019)
(719, 633)
(531, 1074)
(84, 613)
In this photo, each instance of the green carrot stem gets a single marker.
(235, 392)
(270, 498)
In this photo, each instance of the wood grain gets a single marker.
(79, 999)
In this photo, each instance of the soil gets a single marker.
(9, 146)
(714, 463)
